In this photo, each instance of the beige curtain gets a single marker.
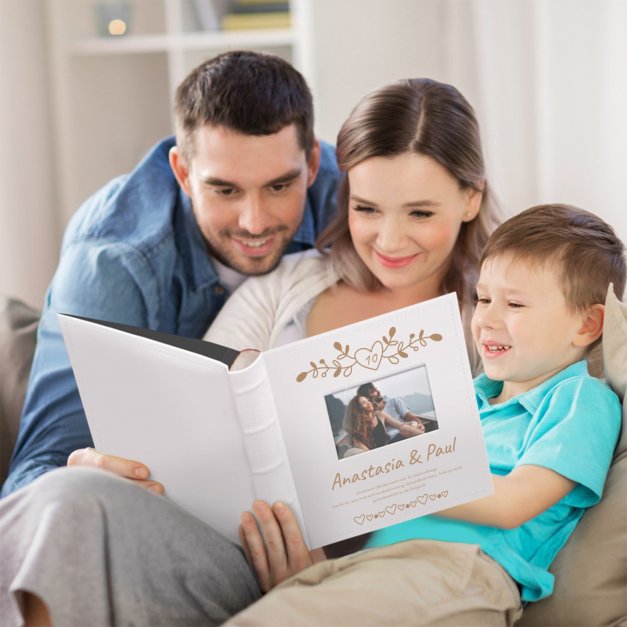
(550, 80)
(29, 230)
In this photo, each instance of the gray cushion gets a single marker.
(591, 570)
(18, 328)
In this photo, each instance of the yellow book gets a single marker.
(252, 3)
(247, 21)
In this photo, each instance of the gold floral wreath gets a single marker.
(386, 348)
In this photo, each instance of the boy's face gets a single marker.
(522, 326)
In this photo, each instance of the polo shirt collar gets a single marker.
(486, 388)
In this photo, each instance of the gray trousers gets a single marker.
(101, 551)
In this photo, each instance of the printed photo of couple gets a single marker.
(381, 412)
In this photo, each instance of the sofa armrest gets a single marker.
(18, 330)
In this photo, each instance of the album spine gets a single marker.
(261, 434)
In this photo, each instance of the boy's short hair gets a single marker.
(249, 92)
(584, 249)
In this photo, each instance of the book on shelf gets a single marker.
(219, 431)
(258, 20)
(207, 14)
(239, 8)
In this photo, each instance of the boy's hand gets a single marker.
(273, 543)
(127, 468)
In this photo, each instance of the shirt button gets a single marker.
(218, 289)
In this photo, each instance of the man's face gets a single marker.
(248, 193)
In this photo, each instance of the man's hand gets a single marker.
(127, 468)
(273, 544)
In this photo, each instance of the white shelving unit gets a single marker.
(113, 95)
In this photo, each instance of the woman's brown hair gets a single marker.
(358, 421)
(425, 117)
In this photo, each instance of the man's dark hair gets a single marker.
(248, 92)
(365, 389)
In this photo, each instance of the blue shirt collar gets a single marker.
(486, 388)
(306, 233)
(193, 248)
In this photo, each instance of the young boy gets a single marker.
(550, 431)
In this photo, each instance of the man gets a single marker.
(395, 407)
(162, 247)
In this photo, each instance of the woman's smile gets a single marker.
(395, 262)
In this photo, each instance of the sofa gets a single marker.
(590, 571)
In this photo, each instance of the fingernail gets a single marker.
(141, 472)
(155, 488)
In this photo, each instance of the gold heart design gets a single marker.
(359, 519)
(432, 497)
(401, 506)
(369, 517)
(444, 492)
(370, 357)
(381, 514)
(413, 503)
(422, 499)
(390, 509)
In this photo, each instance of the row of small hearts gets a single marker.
(392, 509)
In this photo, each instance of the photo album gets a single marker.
(221, 428)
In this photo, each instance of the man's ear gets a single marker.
(179, 168)
(313, 163)
(592, 326)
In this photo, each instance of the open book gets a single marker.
(218, 438)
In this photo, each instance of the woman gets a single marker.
(413, 215)
(365, 428)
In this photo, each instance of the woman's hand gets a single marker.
(274, 544)
(127, 468)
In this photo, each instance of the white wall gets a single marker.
(362, 44)
(548, 81)
(27, 190)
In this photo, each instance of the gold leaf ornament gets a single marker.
(370, 358)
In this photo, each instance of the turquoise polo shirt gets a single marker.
(569, 424)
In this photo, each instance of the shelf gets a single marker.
(184, 41)
(113, 96)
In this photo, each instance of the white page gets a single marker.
(168, 408)
(419, 475)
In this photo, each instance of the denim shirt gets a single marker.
(133, 253)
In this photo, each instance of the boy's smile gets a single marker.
(522, 326)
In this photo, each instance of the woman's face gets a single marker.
(404, 216)
(364, 403)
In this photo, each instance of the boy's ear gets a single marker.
(592, 326)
